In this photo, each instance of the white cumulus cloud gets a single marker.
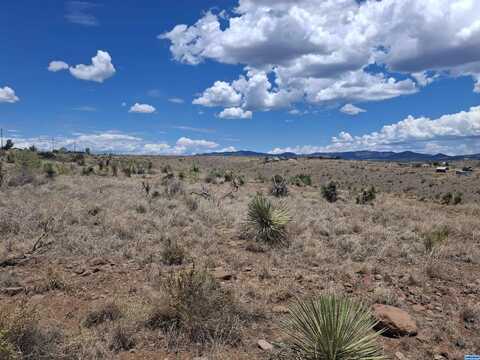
(351, 109)
(322, 51)
(220, 94)
(118, 142)
(57, 65)
(142, 108)
(7, 95)
(99, 70)
(457, 133)
(235, 113)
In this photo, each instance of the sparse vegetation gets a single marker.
(172, 253)
(197, 308)
(107, 312)
(434, 238)
(367, 196)
(301, 180)
(96, 260)
(329, 192)
(279, 186)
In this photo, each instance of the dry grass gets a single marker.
(144, 238)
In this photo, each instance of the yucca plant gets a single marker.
(332, 328)
(268, 222)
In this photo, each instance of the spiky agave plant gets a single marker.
(332, 328)
(268, 221)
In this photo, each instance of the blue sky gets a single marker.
(182, 77)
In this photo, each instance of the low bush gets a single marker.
(329, 192)
(49, 170)
(172, 253)
(301, 180)
(196, 308)
(432, 239)
(367, 196)
(22, 337)
(107, 312)
(279, 186)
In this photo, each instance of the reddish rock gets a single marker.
(395, 321)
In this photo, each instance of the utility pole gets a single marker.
(1, 137)
(53, 143)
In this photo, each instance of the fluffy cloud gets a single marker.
(235, 113)
(57, 65)
(142, 108)
(117, 142)
(326, 51)
(457, 133)
(7, 95)
(351, 109)
(100, 69)
(220, 94)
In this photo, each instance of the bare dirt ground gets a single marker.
(83, 242)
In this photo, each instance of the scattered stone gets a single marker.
(265, 345)
(400, 356)
(395, 321)
(378, 277)
(221, 274)
(12, 291)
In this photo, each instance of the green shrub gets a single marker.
(279, 186)
(7, 350)
(122, 338)
(197, 308)
(329, 192)
(88, 170)
(107, 312)
(367, 196)
(332, 328)
(434, 238)
(172, 253)
(301, 180)
(447, 198)
(452, 199)
(457, 198)
(20, 330)
(269, 223)
(28, 159)
(49, 170)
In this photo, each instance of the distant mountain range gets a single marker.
(355, 155)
